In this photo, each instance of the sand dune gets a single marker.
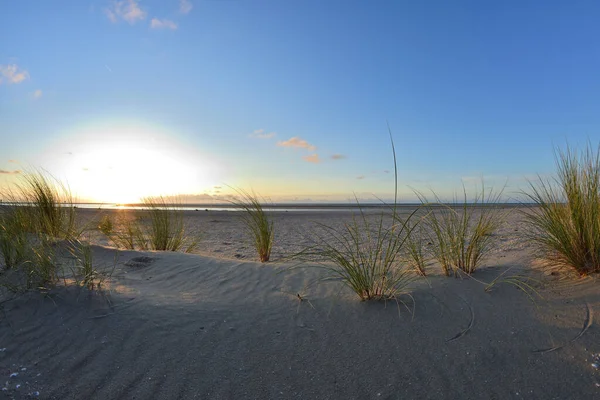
(174, 325)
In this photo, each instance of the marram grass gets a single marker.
(258, 224)
(461, 233)
(167, 230)
(565, 226)
(366, 256)
(160, 226)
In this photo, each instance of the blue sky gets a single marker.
(124, 99)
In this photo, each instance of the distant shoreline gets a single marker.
(287, 206)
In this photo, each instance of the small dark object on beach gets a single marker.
(142, 261)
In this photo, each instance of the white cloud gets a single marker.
(162, 24)
(12, 74)
(127, 10)
(185, 6)
(260, 134)
(298, 143)
(313, 158)
(37, 94)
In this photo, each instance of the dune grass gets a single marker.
(47, 205)
(84, 272)
(166, 230)
(461, 232)
(160, 226)
(39, 211)
(106, 225)
(417, 255)
(366, 256)
(258, 224)
(566, 224)
(13, 236)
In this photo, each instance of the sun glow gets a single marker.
(124, 163)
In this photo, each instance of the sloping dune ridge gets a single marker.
(195, 326)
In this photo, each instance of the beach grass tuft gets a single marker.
(84, 272)
(48, 205)
(106, 225)
(462, 232)
(166, 230)
(566, 224)
(13, 236)
(365, 256)
(258, 223)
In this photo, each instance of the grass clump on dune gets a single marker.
(47, 205)
(566, 224)
(167, 230)
(39, 212)
(13, 236)
(258, 224)
(36, 222)
(461, 232)
(160, 227)
(366, 256)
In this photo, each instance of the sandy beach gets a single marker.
(216, 324)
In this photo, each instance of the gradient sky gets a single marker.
(130, 98)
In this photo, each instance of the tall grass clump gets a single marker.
(417, 255)
(258, 224)
(13, 236)
(461, 232)
(45, 205)
(84, 272)
(565, 225)
(165, 229)
(366, 256)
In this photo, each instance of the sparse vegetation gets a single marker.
(167, 229)
(258, 224)
(461, 232)
(566, 224)
(13, 236)
(83, 271)
(106, 225)
(367, 257)
(46, 205)
(417, 254)
(159, 227)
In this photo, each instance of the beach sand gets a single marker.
(219, 325)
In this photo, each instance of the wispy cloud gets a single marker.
(338, 157)
(5, 172)
(298, 143)
(127, 10)
(260, 134)
(185, 6)
(313, 158)
(12, 74)
(360, 177)
(13, 161)
(37, 94)
(162, 24)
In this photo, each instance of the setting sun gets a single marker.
(122, 163)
